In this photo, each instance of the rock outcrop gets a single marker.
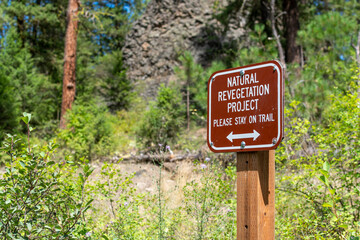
(167, 29)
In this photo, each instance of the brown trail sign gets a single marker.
(245, 108)
(245, 115)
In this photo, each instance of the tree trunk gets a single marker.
(292, 26)
(69, 86)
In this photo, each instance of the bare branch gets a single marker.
(275, 33)
(242, 7)
(280, 14)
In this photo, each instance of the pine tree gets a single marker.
(69, 86)
(9, 109)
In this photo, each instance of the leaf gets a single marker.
(29, 227)
(326, 166)
(327, 205)
(325, 173)
(28, 115)
(324, 180)
(81, 177)
(22, 164)
(343, 226)
(25, 120)
(89, 202)
(105, 237)
(50, 163)
(86, 208)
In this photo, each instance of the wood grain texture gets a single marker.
(256, 195)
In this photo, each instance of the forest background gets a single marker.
(53, 194)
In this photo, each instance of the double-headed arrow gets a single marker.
(254, 135)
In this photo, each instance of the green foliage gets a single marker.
(32, 91)
(8, 107)
(209, 203)
(194, 77)
(157, 222)
(32, 50)
(191, 76)
(32, 47)
(318, 178)
(261, 48)
(109, 21)
(40, 26)
(117, 192)
(201, 92)
(330, 58)
(35, 201)
(322, 182)
(115, 87)
(162, 122)
(88, 132)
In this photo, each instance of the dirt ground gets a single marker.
(174, 177)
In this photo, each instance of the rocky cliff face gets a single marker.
(166, 30)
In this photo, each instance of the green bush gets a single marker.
(88, 132)
(162, 123)
(119, 215)
(210, 204)
(46, 199)
(318, 191)
(35, 200)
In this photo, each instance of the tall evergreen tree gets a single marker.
(9, 109)
(32, 91)
(69, 76)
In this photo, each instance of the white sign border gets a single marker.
(279, 110)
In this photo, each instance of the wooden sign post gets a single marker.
(256, 195)
(245, 115)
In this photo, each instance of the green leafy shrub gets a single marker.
(158, 222)
(35, 202)
(162, 122)
(210, 204)
(116, 192)
(319, 191)
(88, 132)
